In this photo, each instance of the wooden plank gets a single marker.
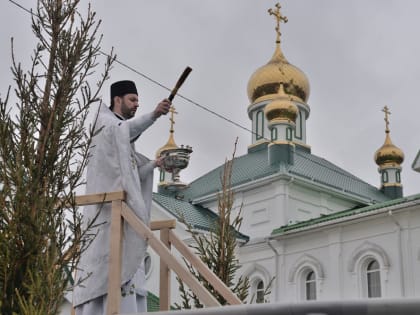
(204, 271)
(163, 224)
(114, 274)
(182, 272)
(91, 199)
(165, 275)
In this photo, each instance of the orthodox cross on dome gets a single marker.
(279, 18)
(171, 119)
(387, 113)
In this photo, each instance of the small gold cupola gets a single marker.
(388, 154)
(389, 159)
(281, 114)
(281, 110)
(171, 141)
(265, 81)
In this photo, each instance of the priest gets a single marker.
(115, 165)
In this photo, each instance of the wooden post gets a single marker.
(114, 274)
(165, 275)
(99, 198)
(204, 271)
(162, 224)
(120, 211)
(182, 272)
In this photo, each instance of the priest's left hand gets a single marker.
(159, 162)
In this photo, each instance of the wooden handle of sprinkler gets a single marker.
(178, 84)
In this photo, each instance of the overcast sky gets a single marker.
(359, 56)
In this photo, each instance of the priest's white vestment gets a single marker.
(114, 165)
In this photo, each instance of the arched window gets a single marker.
(310, 286)
(373, 277)
(274, 134)
(385, 177)
(259, 283)
(259, 125)
(147, 265)
(398, 175)
(162, 175)
(307, 274)
(370, 263)
(259, 293)
(299, 123)
(289, 133)
(257, 290)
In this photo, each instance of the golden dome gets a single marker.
(389, 154)
(282, 109)
(267, 79)
(170, 145)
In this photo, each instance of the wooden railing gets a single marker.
(121, 211)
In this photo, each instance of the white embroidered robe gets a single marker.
(114, 165)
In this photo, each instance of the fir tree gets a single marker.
(43, 153)
(217, 249)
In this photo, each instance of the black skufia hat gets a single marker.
(120, 88)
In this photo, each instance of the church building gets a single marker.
(310, 228)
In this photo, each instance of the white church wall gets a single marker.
(338, 253)
(365, 240)
(258, 211)
(281, 202)
(302, 254)
(269, 205)
(411, 237)
(415, 262)
(258, 263)
(307, 203)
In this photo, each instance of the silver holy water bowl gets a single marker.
(175, 160)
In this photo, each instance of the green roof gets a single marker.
(342, 214)
(153, 303)
(307, 166)
(196, 216)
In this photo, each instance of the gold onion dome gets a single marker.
(170, 145)
(388, 154)
(265, 81)
(281, 109)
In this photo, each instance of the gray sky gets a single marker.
(358, 55)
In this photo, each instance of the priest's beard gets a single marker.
(126, 111)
